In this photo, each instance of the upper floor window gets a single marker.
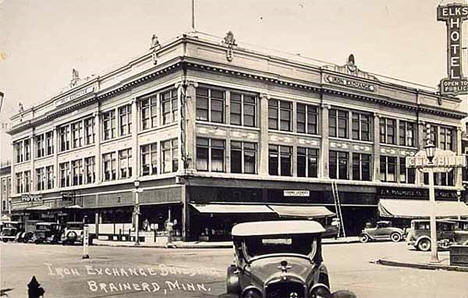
(40, 146)
(307, 162)
(40, 179)
(446, 138)
(338, 165)
(387, 131)
(149, 159)
(279, 115)
(169, 106)
(338, 123)
(27, 149)
(243, 157)
(307, 119)
(361, 167)
(64, 137)
(125, 163)
(407, 175)
(19, 151)
(243, 109)
(19, 183)
(210, 155)
(210, 105)
(149, 112)
(387, 168)
(109, 125)
(50, 142)
(64, 172)
(77, 134)
(89, 131)
(109, 166)
(407, 132)
(170, 156)
(361, 127)
(77, 172)
(50, 177)
(90, 169)
(125, 120)
(279, 160)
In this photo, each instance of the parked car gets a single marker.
(10, 230)
(278, 259)
(419, 234)
(47, 232)
(382, 231)
(461, 231)
(73, 232)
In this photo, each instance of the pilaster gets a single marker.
(134, 132)
(263, 142)
(97, 144)
(325, 143)
(376, 156)
(190, 128)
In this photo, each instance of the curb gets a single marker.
(421, 266)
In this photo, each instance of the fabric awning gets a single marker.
(40, 208)
(420, 208)
(302, 211)
(231, 208)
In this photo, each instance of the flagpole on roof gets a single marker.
(193, 15)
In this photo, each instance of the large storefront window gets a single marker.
(243, 109)
(210, 155)
(407, 132)
(387, 168)
(307, 119)
(361, 167)
(149, 159)
(307, 162)
(361, 127)
(243, 157)
(338, 165)
(407, 175)
(210, 105)
(338, 123)
(280, 160)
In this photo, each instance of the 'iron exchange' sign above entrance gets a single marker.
(454, 15)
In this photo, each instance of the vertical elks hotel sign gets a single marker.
(454, 15)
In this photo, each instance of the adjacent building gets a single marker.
(5, 190)
(206, 134)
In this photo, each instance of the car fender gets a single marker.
(368, 235)
(232, 280)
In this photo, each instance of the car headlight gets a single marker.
(252, 293)
(320, 291)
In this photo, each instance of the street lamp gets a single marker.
(430, 153)
(136, 211)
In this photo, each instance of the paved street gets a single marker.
(152, 272)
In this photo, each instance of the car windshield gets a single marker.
(289, 244)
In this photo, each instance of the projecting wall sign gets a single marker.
(454, 15)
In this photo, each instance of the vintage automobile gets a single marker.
(10, 230)
(382, 231)
(461, 231)
(278, 259)
(47, 232)
(419, 234)
(72, 233)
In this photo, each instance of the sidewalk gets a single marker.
(203, 244)
(420, 260)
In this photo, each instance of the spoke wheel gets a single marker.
(424, 245)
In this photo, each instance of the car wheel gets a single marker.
(396, 237)
(364, 238)
(5, 240)
(71, 237)
(424, 245)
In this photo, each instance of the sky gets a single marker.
(41, 41)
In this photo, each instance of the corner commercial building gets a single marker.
(217, 134)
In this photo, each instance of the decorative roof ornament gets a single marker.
(230, 42)
(20, 111)
(350, 64)
(155, 45)
(75, 78)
